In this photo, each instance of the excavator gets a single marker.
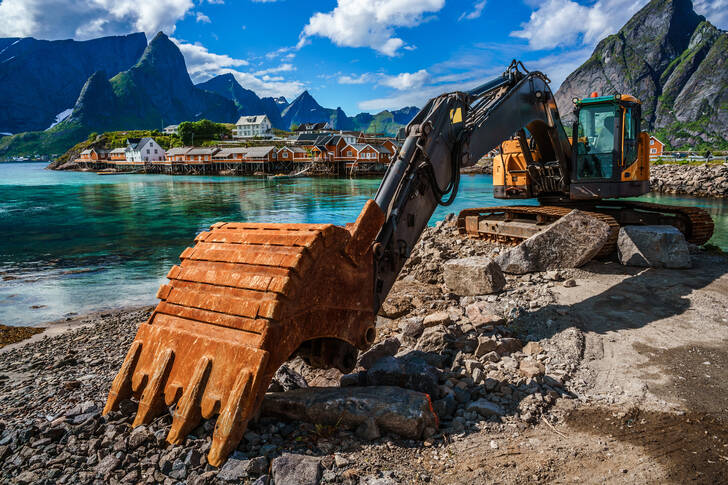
(249, 296)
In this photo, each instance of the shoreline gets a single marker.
(60, 326)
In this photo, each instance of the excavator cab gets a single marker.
(610, 156)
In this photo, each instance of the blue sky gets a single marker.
(362, 55)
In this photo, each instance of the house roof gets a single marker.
(138, 143)
(357, 146)
(228, 152)
(380, 149)
(86, 152)
(171, 127)
(118, 150)
(305, 137)
(178, 151)
(251, 120)
(656, 139)
(292, 149)
(203, 151)
(321, 125)
(259, 152)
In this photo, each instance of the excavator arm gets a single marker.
(455, 130)
(249, 296)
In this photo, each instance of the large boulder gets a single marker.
(408, 371)
(570, 242)
(476, 275)
(653, 246)
(394, 410)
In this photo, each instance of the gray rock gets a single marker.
(436, 339)
(410, 372)
(262, 480)
(476, 275)
(570, 242)
(368, 430)
(653, 246)
(394, 410)
(107, 465)
(413, 328)
(485, 345)
(290, 469)
(234, 470)
(287, 379)
(445, 407)
(382, 349)
(485, 408)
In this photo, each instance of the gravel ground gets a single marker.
(514, 378)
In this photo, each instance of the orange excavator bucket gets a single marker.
(243, 300)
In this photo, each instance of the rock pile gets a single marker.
(707, 180)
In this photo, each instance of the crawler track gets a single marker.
(695, 223)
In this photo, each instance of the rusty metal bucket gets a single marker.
(243, 300)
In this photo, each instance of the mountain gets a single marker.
(40, 79)
(246, 101)
(156, 91)
(675, 62)
(304, 109)
(280, 102)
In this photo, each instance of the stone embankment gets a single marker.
(707, 180)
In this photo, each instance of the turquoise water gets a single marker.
(78, 242)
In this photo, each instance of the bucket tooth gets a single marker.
(151, 404)
(233, 419)
(121, 387)
(241, 302)
(188, 413)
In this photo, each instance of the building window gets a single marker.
(653, 150)
(652, 142)
(348, 153)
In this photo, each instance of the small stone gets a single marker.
(485, 408)
(296, 469)
(485, 345)
(107, 465)
(382, 349)
(492, 357)
(413, 328)
(437, 318)
(493, 444)
(531, 368)
(476, 275)
(532, 348)
(570, 283)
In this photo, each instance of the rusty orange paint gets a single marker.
(239, 304)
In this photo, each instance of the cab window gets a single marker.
(595, 147)
(630, 137)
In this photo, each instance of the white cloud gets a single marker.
(84, 19)
(714, 10)
(406, 80)
(362, 79)
(203, 64)
(369, 23)
(201, 17)
(282, 68)
(559, 23)
(200, 62)
(475, 13)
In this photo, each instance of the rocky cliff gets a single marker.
(39, 79)
(674, 61)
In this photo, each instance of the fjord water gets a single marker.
(78, 242)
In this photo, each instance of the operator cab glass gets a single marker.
(596, 140)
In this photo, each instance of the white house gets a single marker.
(171, 129)
(250, 126)
(142, 150)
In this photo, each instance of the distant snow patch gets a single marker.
(61, 116)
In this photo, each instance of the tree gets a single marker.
(197, 132)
